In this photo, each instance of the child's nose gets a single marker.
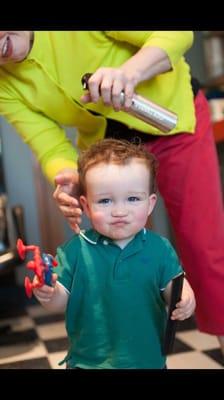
(119, 210)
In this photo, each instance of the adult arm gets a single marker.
(53, 150)
(44, 136)
(159, 52)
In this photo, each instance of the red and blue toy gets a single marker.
(42, 265)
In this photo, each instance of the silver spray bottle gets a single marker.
(144, 109)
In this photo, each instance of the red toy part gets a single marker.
(21, 249)
(37, 265)
(28, 286)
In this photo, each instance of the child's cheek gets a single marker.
(141, 218)
(98, 218)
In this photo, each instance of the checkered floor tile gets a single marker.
(32, 338)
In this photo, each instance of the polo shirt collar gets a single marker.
(95, 237)
(90, 236)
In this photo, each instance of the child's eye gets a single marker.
(104, 201)
(133, 198)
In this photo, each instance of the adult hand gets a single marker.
(66, 196)
(108, 83)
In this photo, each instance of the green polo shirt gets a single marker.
(115, 315)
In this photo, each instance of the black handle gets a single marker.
(177, 285)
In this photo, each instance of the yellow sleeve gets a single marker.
(46, 139)
(174, 43)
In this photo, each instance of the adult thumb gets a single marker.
(66, 177)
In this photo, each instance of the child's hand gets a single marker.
(45, 293)
(185, 308)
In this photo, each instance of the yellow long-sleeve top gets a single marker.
(42, 93)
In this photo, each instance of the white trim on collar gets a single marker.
(86, 238)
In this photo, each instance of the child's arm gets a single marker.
(184, 308)
(53, 298)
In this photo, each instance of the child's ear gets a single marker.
(152, 202)
(84, 204)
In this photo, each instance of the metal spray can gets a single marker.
(146, 110)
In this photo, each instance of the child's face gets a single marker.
(118, 202)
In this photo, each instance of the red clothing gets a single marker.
(189, 182)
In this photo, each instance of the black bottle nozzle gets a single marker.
(85, 79)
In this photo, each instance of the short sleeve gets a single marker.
(66, 257)
(170, 264)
